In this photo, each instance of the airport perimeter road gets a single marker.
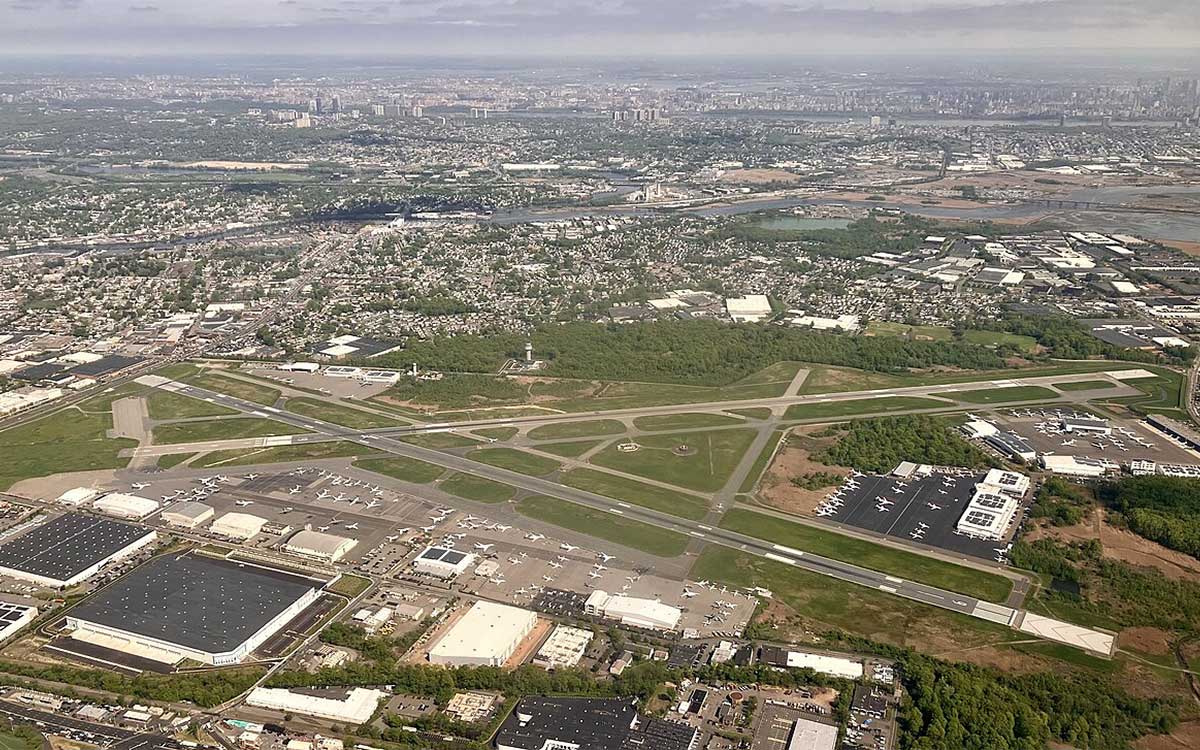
(815, 563)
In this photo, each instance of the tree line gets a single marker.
(878, 445)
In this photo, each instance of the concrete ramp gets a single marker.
(1096, 641)
(996, 613)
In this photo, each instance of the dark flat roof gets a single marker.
(590, 723)
(66, 546)
(191, 600)
(105, 365)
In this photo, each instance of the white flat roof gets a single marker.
(488, 631)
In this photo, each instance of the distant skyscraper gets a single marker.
(319, 106)
(336, 104)
(876, 121)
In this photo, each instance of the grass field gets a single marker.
(440, 440)
(829, 379)
(515, 460)
(996, 338)
(1085, 385)
(602, 525)
(345, 416)
(497, 433)
(573, 449)
(1003, 395)
(760, 463)
(1164, 394)
(403, 468)
(168, 405)
(713, 457)
(824, 603)
(564, 430)
(636, 493)
(68, 440)
(477, 488)
(172, 460)
(661, 422)
(350, 586)
(213, 381)
(902, 330)
(896, 562)
(221, 429)
(766, 383)
(754, 412)
(281, 454)
(851, 407)
(20, 738)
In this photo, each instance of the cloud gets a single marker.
(617, 27)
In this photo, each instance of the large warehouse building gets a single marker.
(486, 635)
(442, 562)
(212, 610)
(352, 706)
(188, 514)
(122, 505)
(13, 617)
(70, 549)
(589, 724)
(632, 611)
(240, 526)
(319, 545)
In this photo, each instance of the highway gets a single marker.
(815, 563)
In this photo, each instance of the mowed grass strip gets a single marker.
(68, 440)
(700, 461)
(403, 468)
(171, 460)
(345, 416)
(497, 433)
(823, 603)
(636, 493)
(222, 429)
(440, 440)
(281, 454)
(760, 463)
(848, 407)
(602, 525)
(563, 430)
(689, 421)
(572, 449)
(1085, 385)
(895, 562)
(1003, 395)
(167, 405)
(477, 488)
(515, 460)
(259, 394)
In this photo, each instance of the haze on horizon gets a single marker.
(634, 28)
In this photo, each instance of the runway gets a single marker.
(385, 441)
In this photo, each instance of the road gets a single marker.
(389, 443)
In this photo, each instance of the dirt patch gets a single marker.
(1188, 248)
(795, 460)
(48, 488)
(1150, 641)
(1120, 544)
(1185, 737)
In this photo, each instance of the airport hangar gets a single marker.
(70, 549)
(191, 606)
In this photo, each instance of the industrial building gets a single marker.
(835, 666)
(320, 546)
(589, 724)
(1012, 445)
(188, 515)
(77, 496)
(240, 526)
(812, 735)
(1011, 482)
(1176, 429)
(442, 562)
(1075, 466)
(122, 505)
(351, 706)
(629, 610)
(211, 610)
(564, 648)
(1084, 426)
(487, 635)
(988, 514)
(13, 617)
(70, 549)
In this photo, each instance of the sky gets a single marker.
(632, 28)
